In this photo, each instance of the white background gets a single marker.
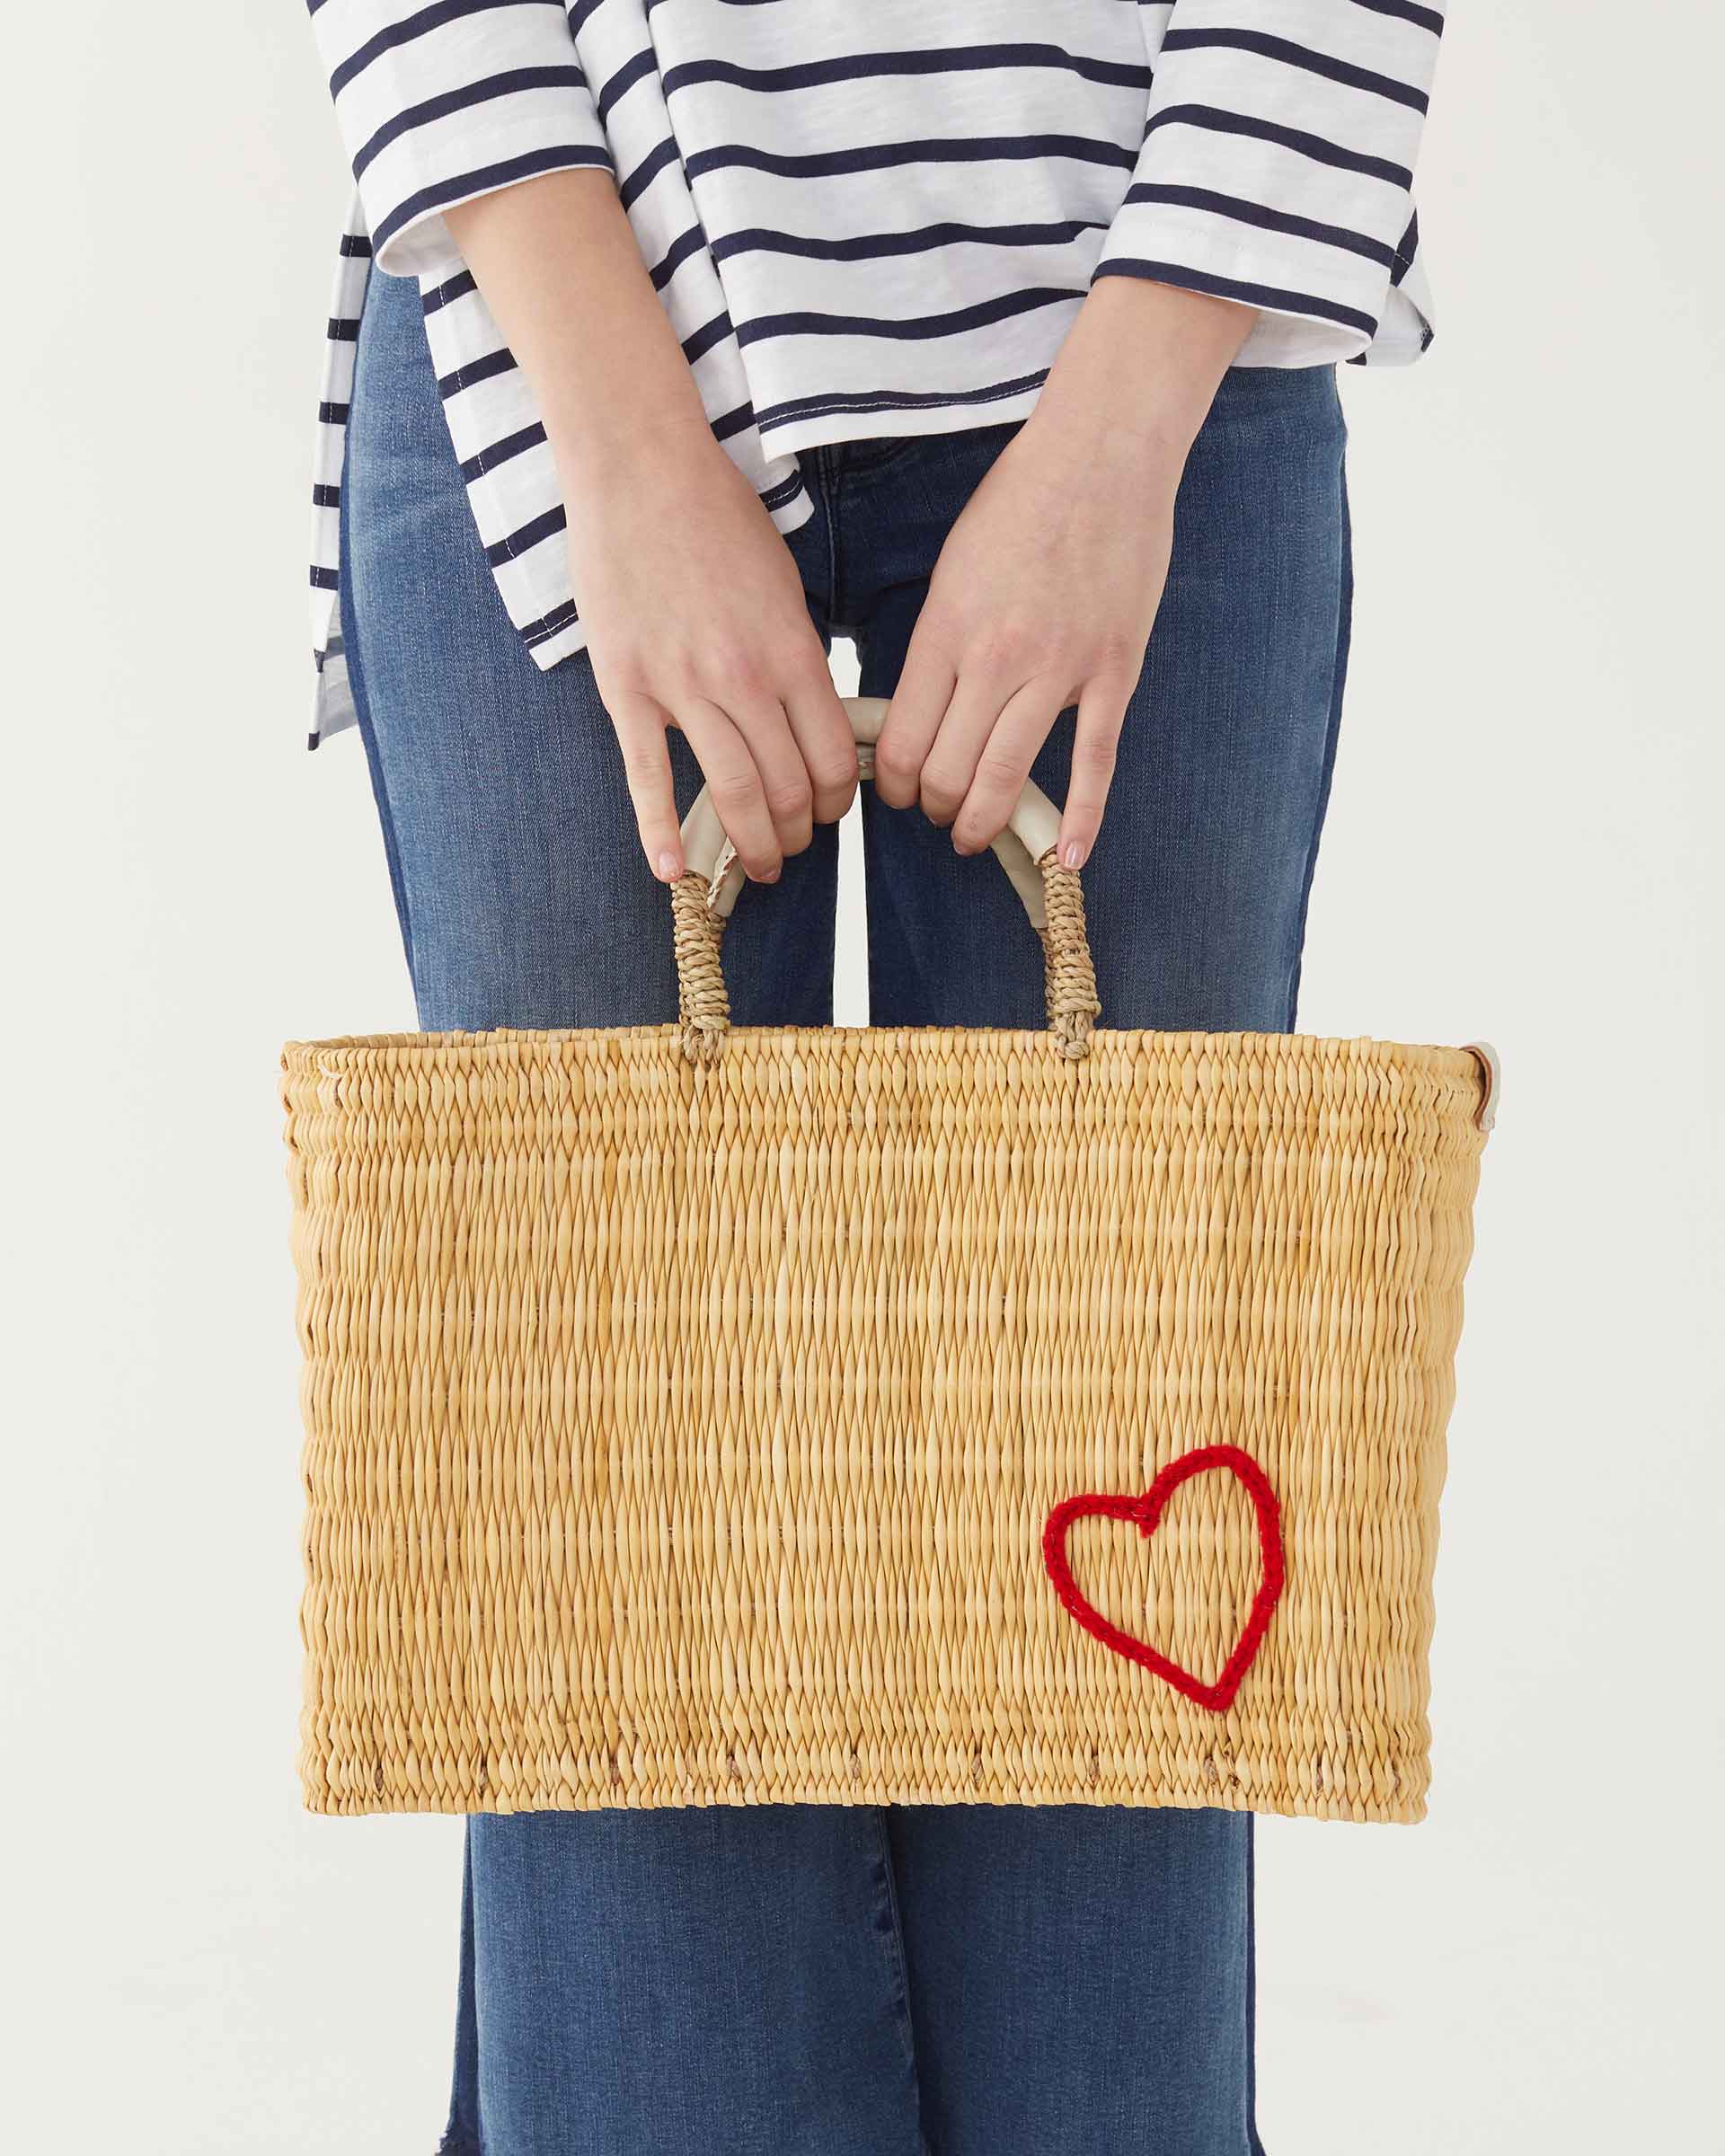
(1523, 845)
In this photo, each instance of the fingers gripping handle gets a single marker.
(1031, 832)
(702, 897)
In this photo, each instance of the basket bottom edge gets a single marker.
(326, 1803)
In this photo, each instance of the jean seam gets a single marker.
(347, 618)
(1254, 2146)
(902, 2004)
(826, 484)
(1338, 681)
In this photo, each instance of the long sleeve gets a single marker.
(439, 103)
(1278, 169)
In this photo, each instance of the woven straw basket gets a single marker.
(698, 1415)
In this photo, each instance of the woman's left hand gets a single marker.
(1047, 589)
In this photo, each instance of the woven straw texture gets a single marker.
(684, 1431)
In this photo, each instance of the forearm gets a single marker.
(1137, 373)
(562, 275)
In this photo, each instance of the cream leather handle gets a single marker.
(1031, 832)
(703, 897)
(1491, 1086)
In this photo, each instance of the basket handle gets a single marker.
(702, 898)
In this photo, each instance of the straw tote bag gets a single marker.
(706, 1415)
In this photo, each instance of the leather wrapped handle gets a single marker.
(702, 897)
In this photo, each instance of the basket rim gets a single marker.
(1472, 1071)
(1351, 1047)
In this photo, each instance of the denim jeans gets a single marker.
(964, 1980)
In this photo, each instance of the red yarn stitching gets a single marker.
(1146, 1512)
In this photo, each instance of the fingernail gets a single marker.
(669, 866)
(1072, 854)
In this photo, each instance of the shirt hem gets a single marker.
(885, 422)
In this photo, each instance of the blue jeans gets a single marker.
(853, 1981)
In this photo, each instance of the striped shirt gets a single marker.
(864, 219)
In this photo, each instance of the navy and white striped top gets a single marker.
(865, 220)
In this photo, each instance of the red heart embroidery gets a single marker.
(1146, 1511)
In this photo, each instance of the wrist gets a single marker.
(1138, 371)
(633, 444)
(1144, 447)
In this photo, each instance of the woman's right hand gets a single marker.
(695, 618)
(691, 602)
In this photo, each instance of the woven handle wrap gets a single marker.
(702, 898)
